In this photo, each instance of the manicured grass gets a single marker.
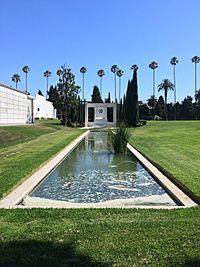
(95, 237)
(175, 146)
(13, 135)
(27, 148)
(10, 136)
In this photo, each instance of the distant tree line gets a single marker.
(185, 110)
(71, 109)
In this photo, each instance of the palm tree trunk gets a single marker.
(154, 103)
(26, 82)
(115, 88)
(166, 115)
(195, 85)
(47, 87)
(101, 87)
(83, 96)
(174, 93)
(119, 88)
(83, 99)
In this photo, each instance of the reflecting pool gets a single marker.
(92, 173)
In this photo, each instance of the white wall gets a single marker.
(43, 108)
(15, 106)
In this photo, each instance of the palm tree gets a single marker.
(101, 73)
(114, 69)
(165, 86)
(195, 60)
(26, 69)
(83, 71)
(174, 61)
(47, 74)
(134, 67)
(153, 65)
(16, 78)
(120, 73)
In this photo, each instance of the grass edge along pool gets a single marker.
(91, 173)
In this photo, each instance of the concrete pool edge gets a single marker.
(36, 202)
(16, 197)
(166, 183)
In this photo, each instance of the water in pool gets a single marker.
(93, 173)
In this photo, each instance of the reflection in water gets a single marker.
(92, 173)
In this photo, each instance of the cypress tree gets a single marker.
(123, 109)
(120, 111)
(135, 108)
(131, 103)
(160, 107)
(40, 92)
(96, 96)
(108, 100)
(127, 104)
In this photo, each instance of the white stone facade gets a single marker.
(43, 108)
(103, 114)
(16, 107)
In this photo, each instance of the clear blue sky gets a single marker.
(45, 34)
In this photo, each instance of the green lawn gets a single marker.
(175, 146)
(99, 237)
(24, 148)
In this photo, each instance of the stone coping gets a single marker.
(158, 201)
(19, 197)
(170, 187)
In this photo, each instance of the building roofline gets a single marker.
(16, 90)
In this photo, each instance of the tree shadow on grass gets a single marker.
(188, 263)
(35, 253)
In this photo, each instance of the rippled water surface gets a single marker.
(92, 173)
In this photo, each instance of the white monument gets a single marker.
(100, 115)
